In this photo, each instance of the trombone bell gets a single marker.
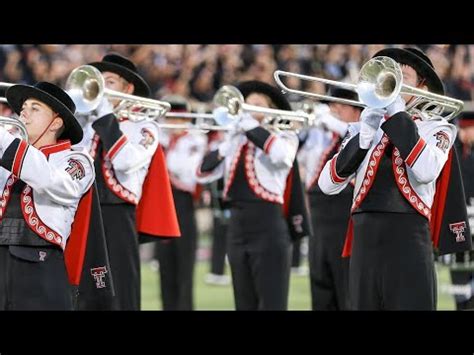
(85, 85)
(380, 82)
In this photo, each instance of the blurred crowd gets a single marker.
(197, 71)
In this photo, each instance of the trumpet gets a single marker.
(231, 98)
(14, 126)
(86, 87)
(380, 82)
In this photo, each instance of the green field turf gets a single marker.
(207, 297)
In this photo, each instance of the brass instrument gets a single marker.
(15, 127)
(86, 87)
(231, 98)
(380, 82)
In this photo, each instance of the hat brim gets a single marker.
(403, 56)
(275, 95)
(17, 94)
(141, 87)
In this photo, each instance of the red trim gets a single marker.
(415, 152)
(75, 250)
(116, 147)
(401, 178)
(57, 147)
(94, 145)
(268, 143)
(6, 195)
(466, 123)
(252, 179)
(287, 194)
(114, 185)
(439, 201)
(233, 166)
(19, 158)
(323, 160)
(347, 249)
(370, 172)
(34, 222)
(156, 212)
(336, 179)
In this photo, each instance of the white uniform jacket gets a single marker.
(184, 154)
(129, 148)
(56, 178)
(266, 168)
(315, 152)
(415, 169)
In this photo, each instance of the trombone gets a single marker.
(231, 98)
(380, 82)
(86, 87)
(14, 126)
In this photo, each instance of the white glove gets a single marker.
(321, 110)
(105, 107)
(334, 124)
(222, 116)
(395, 107)
(224, 148)
(247, 122)
(370, 122)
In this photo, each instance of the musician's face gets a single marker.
(346, 113)
(37, 116)
(258, 100)
(410, 78)
(115, 82)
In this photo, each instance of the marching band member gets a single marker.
(128, 160)
(42, 182)
(465, 149)
(220, 222)
(184, 151)
(399, 162)
(329, 214)
(256, 164)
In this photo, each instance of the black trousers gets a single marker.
(122, 241)
(392, 263)
(329, 271)
(33, 278)
(461, 277)
(296, 253)
(177, 257)
(219, 243)
(260, 256)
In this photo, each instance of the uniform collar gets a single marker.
(56, 147)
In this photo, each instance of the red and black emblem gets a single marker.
(75, 169)
(443, 141)
(458, 229)
(98, 273)
(148, 138)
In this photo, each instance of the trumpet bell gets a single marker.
(380, 82)
(230, 97)
(85, 85)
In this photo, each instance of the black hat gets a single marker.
(343, 94)
(466, 119)
(259, 87)
(3, 90)
(178, 103)
(54, 97)
(418, 61)
(117, 64)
